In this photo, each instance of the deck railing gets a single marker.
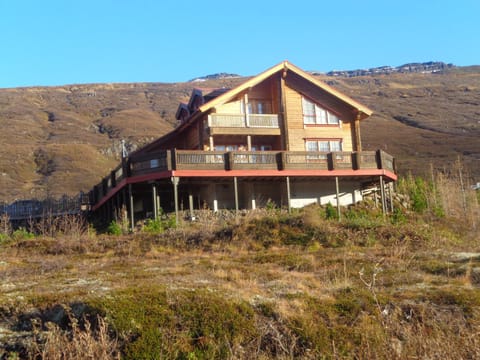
(262, 120)
(243, 120)
(244, 160)
(305, 159)
(32, 209)
(200, 160)
(166, 160)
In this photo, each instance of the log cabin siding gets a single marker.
(232, 107)
(298, 132)
(191, 140)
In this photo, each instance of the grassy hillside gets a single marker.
(263, 285)
(422, 119)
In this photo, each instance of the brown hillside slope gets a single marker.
(59, 140)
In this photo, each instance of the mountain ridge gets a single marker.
(422, 119)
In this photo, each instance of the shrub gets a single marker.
(157, 323)
(4, 239)
(114, 228)
(330, 212)
(158, 226)
(22, 234)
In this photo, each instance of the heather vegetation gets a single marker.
(59, 140)
(265, 284)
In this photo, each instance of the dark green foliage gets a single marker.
(419, 195)
(114, 228)
(326, 322)
(158, 226)
(158, 323)
(22, 234)
(330, 212)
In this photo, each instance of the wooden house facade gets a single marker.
(281, 136)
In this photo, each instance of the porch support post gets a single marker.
(288, 195)
(390, 193)
(130, 196)
(254, 203)
(235, 188)
(117, 207)
(246, 112)
(249, 143)
(382, 193)
(215, 201)
(158, 204)
(175, 181)
(190, 205)
(358, 143)
(337, 189)
(108, 206)
(154, 201)
(283, 101)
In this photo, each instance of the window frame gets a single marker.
(320, 116)
(338, 141)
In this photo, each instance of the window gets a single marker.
(259, 107)
(315, 115)
(323, 145)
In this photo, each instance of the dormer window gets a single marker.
(313, 114)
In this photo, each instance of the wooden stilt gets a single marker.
(154, 201)
(254, 202)
(215, 201)
(337, 188)
(382, 193)
(235, 189)
(175, 181)
(288, 194)
(390, 193)
(131, 209)
(117, 207)
(190, 205)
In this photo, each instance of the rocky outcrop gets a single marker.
(426, 67)
(215, 77)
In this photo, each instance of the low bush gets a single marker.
(114, 228)
(158, 323)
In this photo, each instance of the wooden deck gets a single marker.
(234, 162)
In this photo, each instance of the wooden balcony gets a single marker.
(243, 124)
(177, 160)
(243, 120)
(257, 160)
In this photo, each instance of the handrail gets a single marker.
(166, 160)
(32, 208)
(243, 120)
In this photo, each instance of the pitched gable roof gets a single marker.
(285, 66)
(227, 95)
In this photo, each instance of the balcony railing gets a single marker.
(243, 120)
(280, 160)
(166, 160)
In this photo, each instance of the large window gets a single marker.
(323, 145)
(315, 115)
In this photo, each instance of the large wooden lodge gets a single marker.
(282, 137)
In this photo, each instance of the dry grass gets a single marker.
(265, 285)
(78, 343)
(80, 126)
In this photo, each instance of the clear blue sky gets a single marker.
(57, 42)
